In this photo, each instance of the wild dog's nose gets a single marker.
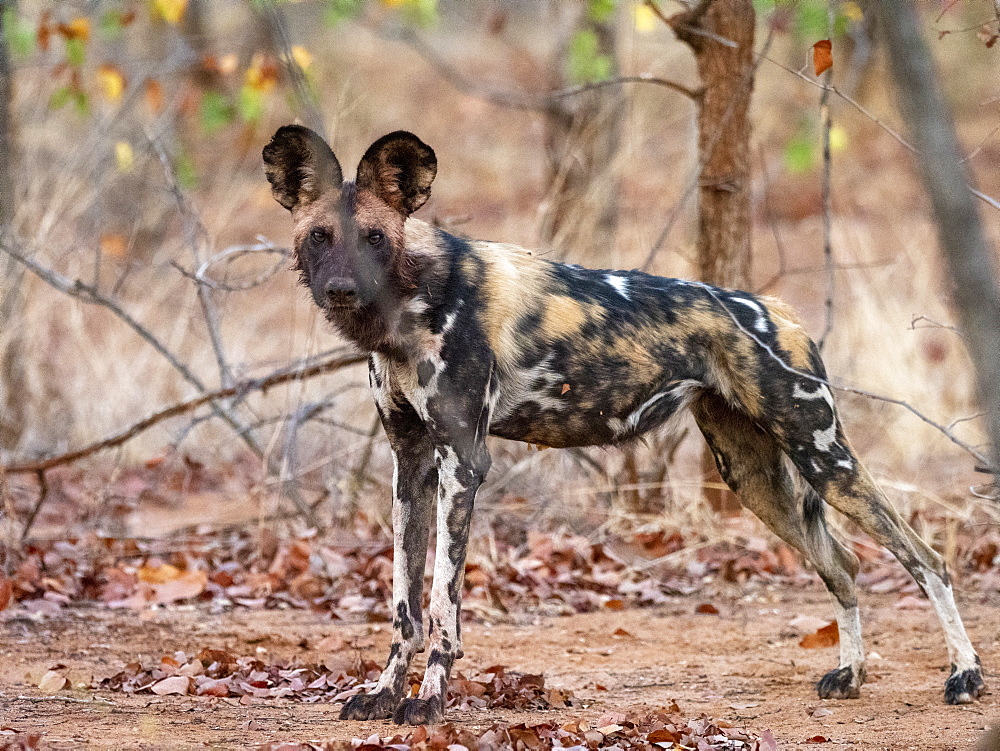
(340, 292)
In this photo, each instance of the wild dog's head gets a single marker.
(349, 239)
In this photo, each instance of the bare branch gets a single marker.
(521, 100)
(90, 294)
(827, 198)
(305, 97)
(295, 372)
(895, 134)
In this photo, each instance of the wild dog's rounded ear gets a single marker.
(399, 168)
(300, 166)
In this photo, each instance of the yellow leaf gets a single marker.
(838, 138)
(645, 19)
(262, 75)
(853, 11)
(78, 28)
(171, 11)
(124, 156)
(302, 57)
(112, 82)
(394, 3)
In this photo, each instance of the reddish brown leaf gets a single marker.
(706, 608)
(6, 591)
(818, 739)
(827, 636)
(822, 56)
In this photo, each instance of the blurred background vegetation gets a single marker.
(146, 262)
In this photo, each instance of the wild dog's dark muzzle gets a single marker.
(339, 293)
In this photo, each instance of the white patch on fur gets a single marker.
(761, 322)
(824, 439)
(517, 389)
(619, 283)
(415, 305)
(820, 393)
(960, 650)
(845, 463)
(449, 320)
(683, 391)
(852, 647)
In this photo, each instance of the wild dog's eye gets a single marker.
(374, 238)
(319, 235)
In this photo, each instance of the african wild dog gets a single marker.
(471, 338)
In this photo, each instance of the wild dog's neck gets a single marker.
(391, 325)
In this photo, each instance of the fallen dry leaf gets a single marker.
(177, 684)
(706, 608)
(52, 681)
(827, 636)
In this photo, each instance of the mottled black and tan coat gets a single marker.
(470, 338)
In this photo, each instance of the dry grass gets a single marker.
(88, 375)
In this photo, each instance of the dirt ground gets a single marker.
(744, 665)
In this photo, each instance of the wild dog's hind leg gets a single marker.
(414, 484)
(752, 464)
(815, 441)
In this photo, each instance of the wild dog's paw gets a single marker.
(964, 687)
(841, 683)
(377, 706)
(419, 711)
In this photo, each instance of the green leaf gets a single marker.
(20, 37)
(60, 98)
(76, 52)
(81, 102)
(184, 169)
(584, 61)
(110, 24)
(250, 104)
(421, 12)
(338, 11)
(800, 154)
(811, 20)
(215, 112)
(600, 11)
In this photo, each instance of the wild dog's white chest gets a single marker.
(417, 379)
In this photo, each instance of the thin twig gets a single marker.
(522, 100)
(67, 699)
(827, 199)
(43, 492)
(895, 134)
(933, 325)
(305, 97)
(240, 388)
(90, 294)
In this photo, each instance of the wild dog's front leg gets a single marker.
(415, 481)
(460, 474)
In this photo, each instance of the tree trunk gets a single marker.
(724, 152)
(13, 405)
(969, 256)
(582, 139)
